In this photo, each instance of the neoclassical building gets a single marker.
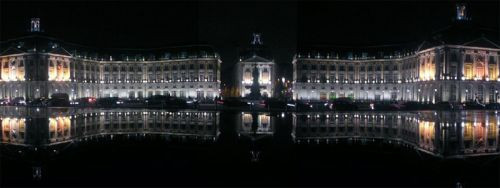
(459, 63)
(266, 70)
(38, 66)
(250, 61)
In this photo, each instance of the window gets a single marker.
(313, 67)
(351, 68)
(453, 57)
(323, 67)
(468, 58)
(492, 60)
(362, 68)
(333, 68)
(210, 66)
(202, 66)
(341, 68)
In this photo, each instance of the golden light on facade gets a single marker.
(13, 70)
(59, 71)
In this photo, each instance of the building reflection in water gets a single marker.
(255, 123)
(446, 134)
(443, 134)
(42, 127)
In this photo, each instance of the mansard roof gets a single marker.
(466, 34)
(44, 44)
(356, 52)
(458, 33)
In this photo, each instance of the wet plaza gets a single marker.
(127, 147)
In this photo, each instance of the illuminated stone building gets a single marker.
(447, 134)
(266, 69)
(38, 66)
(459, 63)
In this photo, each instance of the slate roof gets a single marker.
(45, 44)
(458, 33)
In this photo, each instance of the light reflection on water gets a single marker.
(441, 134)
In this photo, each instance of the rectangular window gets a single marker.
(332, 68)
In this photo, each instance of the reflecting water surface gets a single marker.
(55, 146)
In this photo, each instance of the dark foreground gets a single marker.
(152, 161)
(134, 147)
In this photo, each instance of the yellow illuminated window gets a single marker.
(468, 71)
(492, 71)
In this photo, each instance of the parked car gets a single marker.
(4, 102)
(18, 101)
(448, 106)
(164, 101)
(59, 99)
(108, 101)
(474, 105)
(234, 102)
(493, 106)
(344, 104)
(39, 102)
(85, 101)
(303, 106)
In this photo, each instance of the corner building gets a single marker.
(459, 63)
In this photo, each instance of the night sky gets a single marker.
(285, 25)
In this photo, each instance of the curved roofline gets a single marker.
(107, 48)
(358, 46)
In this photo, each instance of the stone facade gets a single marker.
(34, 71)
(455, 73)
(267, 77)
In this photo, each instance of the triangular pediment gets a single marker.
(256, 59)
(482, 42)
(60, 51)
(12, 50)
(425, 45)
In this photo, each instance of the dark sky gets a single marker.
(228, 25)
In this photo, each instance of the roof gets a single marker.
(256, 59)
(458, 33)
(45, 44)
(357, 53)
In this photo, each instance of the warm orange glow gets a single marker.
(13, 70)
(59, 71)
(427, 134)
(427, 68)
(59, 128)
(13, 130)
(469, 75)
(492, 72)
